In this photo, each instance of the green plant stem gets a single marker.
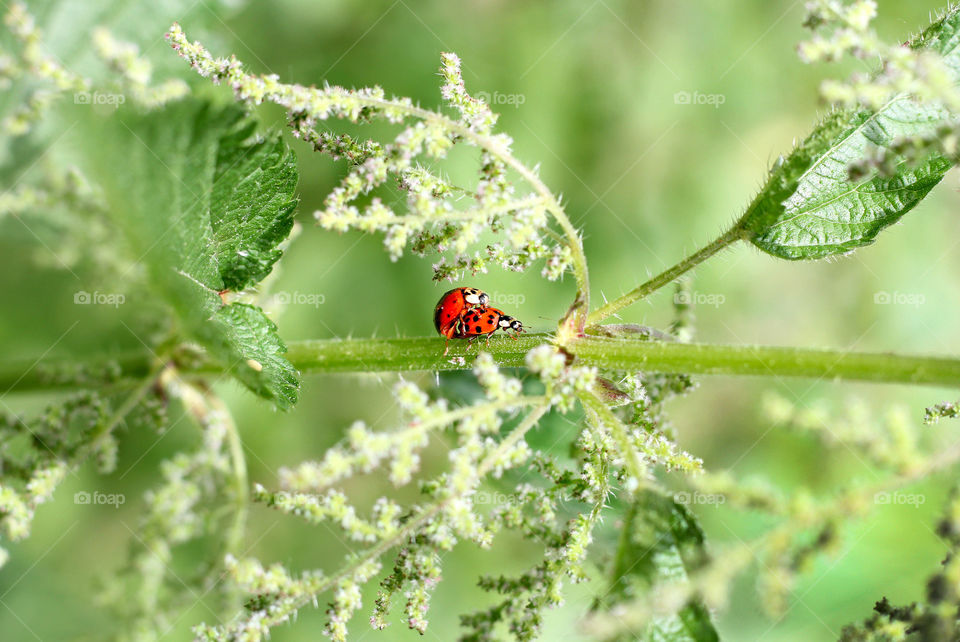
(75, 373)
(233, 542)
(426, 354)
(135, 397)
(423, 353)
(624, 545)
(770, 361)
(666, 277)
(604, 418)
(366, 355)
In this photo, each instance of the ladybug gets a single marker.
(454, 304)
(480, 323)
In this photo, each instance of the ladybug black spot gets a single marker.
(490, 318)
(476, 329)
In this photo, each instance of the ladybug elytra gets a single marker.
(454, 304)
(464, 313)
(479, 323)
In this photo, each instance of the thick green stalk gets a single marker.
(365, 355)
(397, 355)
(426, 354)
(769, 361)
(666, 277)
(75, 373)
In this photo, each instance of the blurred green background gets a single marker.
(647, 177)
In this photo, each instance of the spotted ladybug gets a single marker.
(454, 304)
(479, 323)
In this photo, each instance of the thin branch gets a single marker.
(666, 277)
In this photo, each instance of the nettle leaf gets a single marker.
(205, 205)
(663, 543)
(251, 206)
(810, 208)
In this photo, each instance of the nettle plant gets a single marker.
(205, 204)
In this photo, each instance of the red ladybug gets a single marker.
(479, 323)
(453, 305)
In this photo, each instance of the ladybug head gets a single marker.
(509, 323)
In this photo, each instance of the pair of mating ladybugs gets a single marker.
(464, 313)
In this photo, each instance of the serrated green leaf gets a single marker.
(251, 330)
(661, 542)
(810, 208)
(205, 206)
(251, 207)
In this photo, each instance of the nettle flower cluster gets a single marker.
(31, 63)
(809, 525)
(37, 453)
(435, 214)
(135, 72)
(187, 506)
(934, 617)
(558, 508)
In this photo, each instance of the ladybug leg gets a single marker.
(448, 333)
